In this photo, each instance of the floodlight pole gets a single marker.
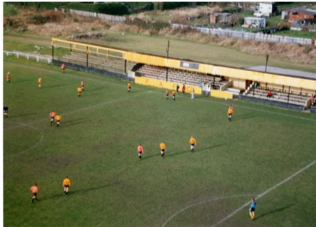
(53, 52)
(87, 57)
(167, 60)
(267, 58)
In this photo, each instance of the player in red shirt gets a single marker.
(140, 151)
(63, 68)
(52, 117)
(34, 190)
(167, 94)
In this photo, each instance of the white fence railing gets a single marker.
(28, 56)
(101, 16)
(210, 31)
(248, 35)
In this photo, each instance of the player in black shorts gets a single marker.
(5, 111)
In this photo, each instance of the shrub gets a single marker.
(14, 24)
(39, 19)
(174, 5)
(112, 8)
(10, 10)
(307, 49)
(53, 16)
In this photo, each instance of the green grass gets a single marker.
(274, 20)
(183, 49)
(179, 48)
(246, 13)
(96, 147)
(10, 10)
(283, 6)
(30, 44)
(300, 34)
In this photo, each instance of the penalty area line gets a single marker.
(72, 75)
(202, 202)
(243, 107)
(82, 109)
(264, 193)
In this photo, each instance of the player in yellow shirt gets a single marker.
(66, 185)
(192, 143)
(58, 119)
(39, 82)
(162, 149)
(174, 95)
(79, 89)
(230, 112)
(129, 86)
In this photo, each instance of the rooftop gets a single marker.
(281, 71)
(301, 10)
(308, 11)
(254, 18)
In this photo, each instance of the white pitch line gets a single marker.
(265, 192)
(72, 75)
(205, 201)
(82, 109)
(36, 144)
(211, 101)
(244, 107)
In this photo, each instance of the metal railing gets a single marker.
(101, 16)
(28, 56)
(249, 35)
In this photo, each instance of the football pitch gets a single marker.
(264, 152)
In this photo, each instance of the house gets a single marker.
(307, 15)
(254, 22)
(300, 18)
(285, 15)
(263, 9)
(220, 18)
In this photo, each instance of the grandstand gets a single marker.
(288, 87)
(179, 76)
(280, 96)
(96, 61)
